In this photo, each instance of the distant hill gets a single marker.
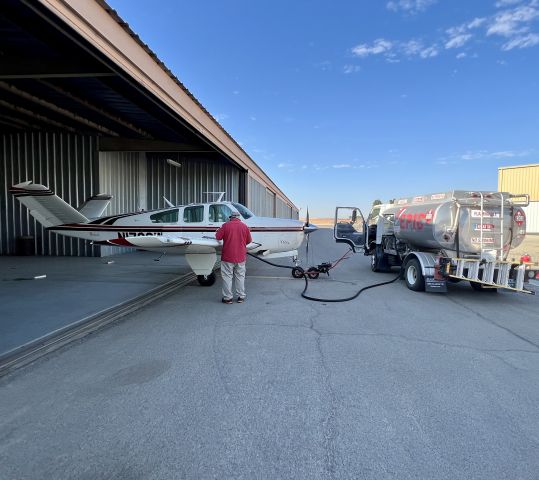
(321, 222)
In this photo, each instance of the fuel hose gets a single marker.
(327, 300)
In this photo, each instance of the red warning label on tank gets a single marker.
(519, 217)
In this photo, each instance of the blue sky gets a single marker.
(345, 102)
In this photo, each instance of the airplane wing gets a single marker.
(161, 241)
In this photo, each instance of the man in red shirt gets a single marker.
(235, 236)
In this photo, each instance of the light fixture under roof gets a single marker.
(173, 163)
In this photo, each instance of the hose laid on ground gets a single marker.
(328, 300)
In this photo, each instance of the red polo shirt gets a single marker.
(235, 235)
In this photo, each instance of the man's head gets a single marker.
(234, 215)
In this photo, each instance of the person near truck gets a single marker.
(235, 236)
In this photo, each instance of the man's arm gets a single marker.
(248, 239)
(219, 234)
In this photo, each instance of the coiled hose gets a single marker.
(328, 300)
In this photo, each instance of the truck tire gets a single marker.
(413, 276)
(379, 260)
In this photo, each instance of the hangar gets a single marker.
(86, 107)
(523, 179)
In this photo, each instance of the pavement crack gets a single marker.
(492, 322)
(328, 423)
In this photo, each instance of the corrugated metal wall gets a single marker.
(532, 217)
(283, 209)
(66, 163)
(122, 175)
(261, 199)
(521, 179)
(119, 175)
(263, 202)
(187, 184)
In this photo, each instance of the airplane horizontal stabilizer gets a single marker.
(46, 207)
(95, 206)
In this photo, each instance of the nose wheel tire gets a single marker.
(298, 272)
(413, 276)
(206, 280)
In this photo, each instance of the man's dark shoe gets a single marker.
(241, 299)
(228, 301)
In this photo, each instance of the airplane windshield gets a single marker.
(244, 211)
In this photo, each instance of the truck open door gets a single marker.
(349, 227)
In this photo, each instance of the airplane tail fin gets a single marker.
(46, 207)
(95, 206)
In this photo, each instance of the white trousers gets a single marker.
(236, 270)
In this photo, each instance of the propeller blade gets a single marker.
(307, 219)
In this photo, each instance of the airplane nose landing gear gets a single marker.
(206, 280)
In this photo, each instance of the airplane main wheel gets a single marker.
(206, 280)
(297, 272)
(313, 273)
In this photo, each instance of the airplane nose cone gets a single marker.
(310, 228)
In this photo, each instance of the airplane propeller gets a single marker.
(308, 228)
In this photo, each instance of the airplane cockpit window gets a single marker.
(244, 211)
(219, 213)
(170, 216)
(193, 214)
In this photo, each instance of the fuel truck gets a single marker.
(444, 237)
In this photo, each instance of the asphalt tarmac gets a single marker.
(393, 385)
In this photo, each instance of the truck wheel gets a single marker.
(413, 276)
(206, 280)
(479, 287)
(378, 261)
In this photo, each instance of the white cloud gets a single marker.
(506, 3)
(485, 154)
(379, 46)
(409, 6)
(461, 55)
(476, 22)
(221, 116)
(392, 49)
(236, 92)
(285, 165)
(523, 41)
(458, 41)
(324, 65)
(347, 69)
(429, 52)
(513, 22)
(342, 165)
(253, 118)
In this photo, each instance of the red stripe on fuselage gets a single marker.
(134, 228)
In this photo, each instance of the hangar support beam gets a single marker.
(62, 111)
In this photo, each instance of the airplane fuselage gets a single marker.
(194, 221)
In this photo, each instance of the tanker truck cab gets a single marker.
(444, 238)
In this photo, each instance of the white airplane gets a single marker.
(183, 230)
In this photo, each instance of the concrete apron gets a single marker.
(36, 349)
(38, 319)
